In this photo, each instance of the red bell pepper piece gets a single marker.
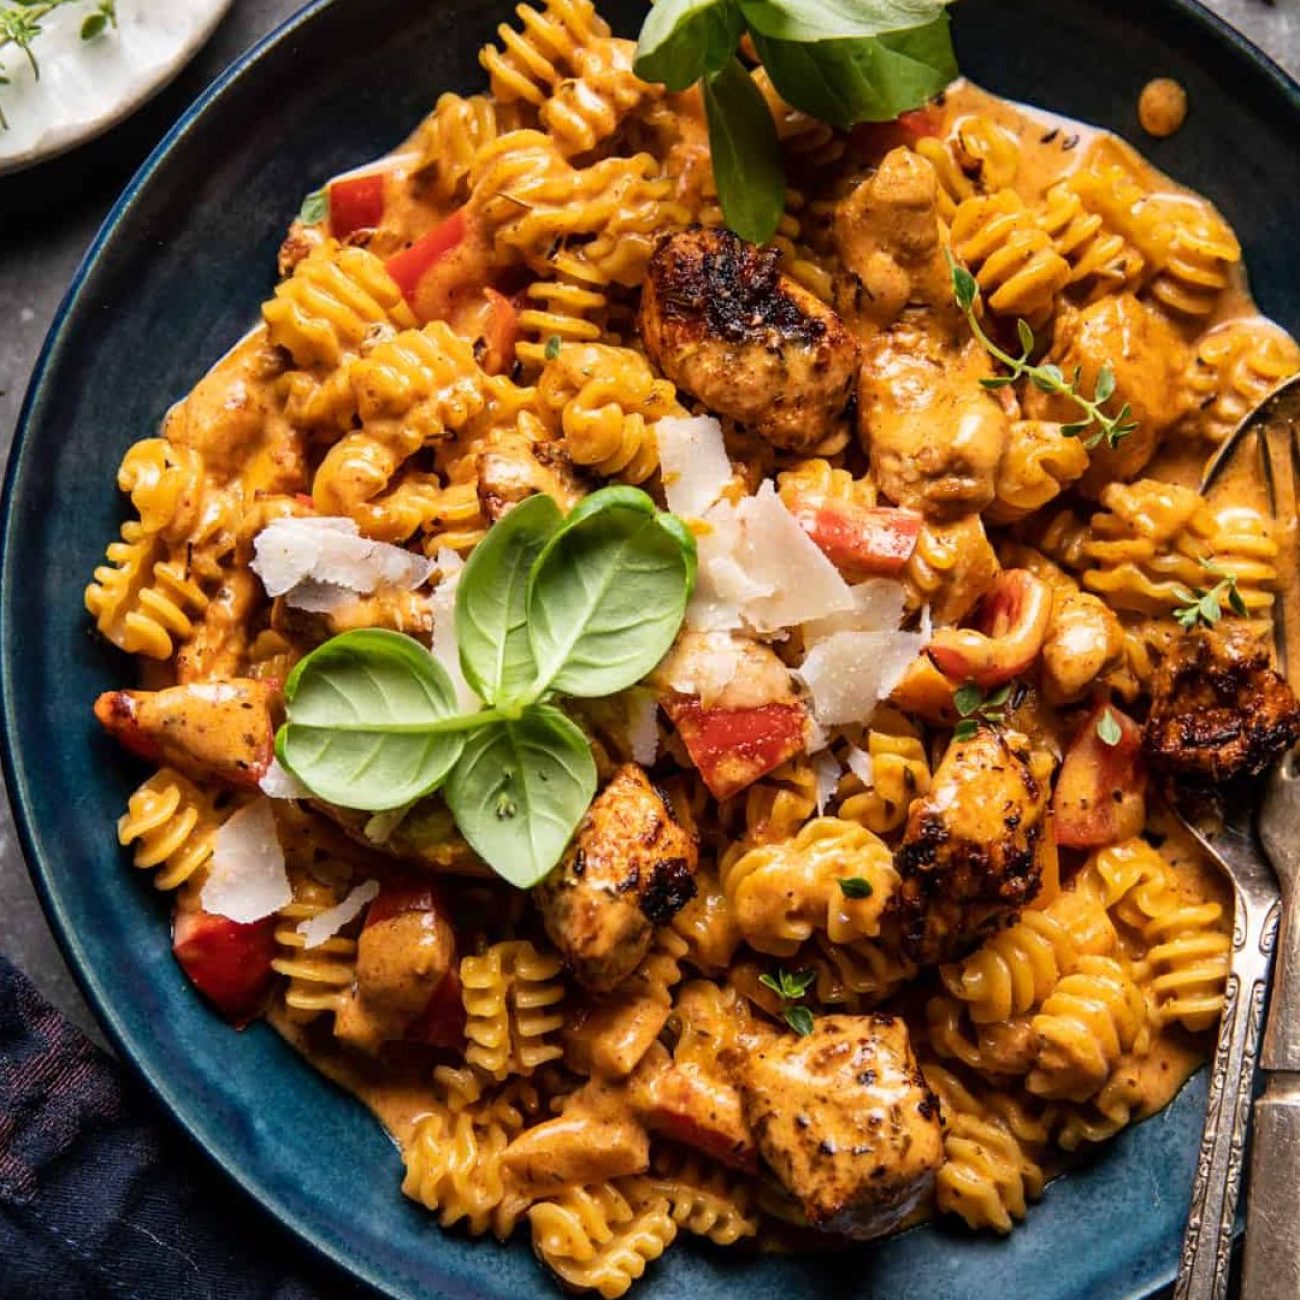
(409, 266)
(732, 748)
(403, 894)
(873, 140)
(500, 334)
(356, 203)
(862, 542)
(229, 963)
(1100, 795)
(442, 1022)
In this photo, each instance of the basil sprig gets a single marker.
(583, 606)
(843, 61)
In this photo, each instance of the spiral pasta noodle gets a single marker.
(512, 996)
(1236, 366)
(170, 824)
(319, 978)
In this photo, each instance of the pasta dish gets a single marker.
(662, 656)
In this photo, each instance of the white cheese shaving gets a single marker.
(859, 762)
(445, 649)
(848, 672)
(757, 565)
(317, 563)
(878, 606)
(642, 734)
(926, 627)
(279, 783)
(246, 877)
(827, 770)
(315, 930)
(694, 464)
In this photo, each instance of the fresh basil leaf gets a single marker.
(354, 706)
(966, 699)
(862, 79)
(490, 601)
(315, 208)
(519, 791)
(608, 594)
(684, 40)
(828, 20)
(747, 162)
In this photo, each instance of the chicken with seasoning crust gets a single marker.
(846, 1122)
(722, 322)
(630, 867)
(973, 852)
(1219, 709)
(935, 435)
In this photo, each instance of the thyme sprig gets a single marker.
(976, 708)
(1097, 426)
(1205, 605)
(20, 25)
(792, 987)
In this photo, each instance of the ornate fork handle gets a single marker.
(1207, 1243)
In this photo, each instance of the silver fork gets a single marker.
(1273, 1238)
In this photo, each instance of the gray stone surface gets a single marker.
(47, 218)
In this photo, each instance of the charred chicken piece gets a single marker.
(973, 852)
(631, 866)
(1219, 710)
(513, 467)
(846, 1121)
(206, 729)
(722, 322)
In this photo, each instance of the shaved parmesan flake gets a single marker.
(878, 606)
(757, 565)
(315, 930)
(776, 552)
(445, 649)
(827, 770)
(279, 783)
(694, 463)
(817, 738)
(926, 627)
(848, 672)
(317, 564)
(246, 877)
(642, 734)
(859, 762)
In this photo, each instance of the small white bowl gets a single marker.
(85, 87)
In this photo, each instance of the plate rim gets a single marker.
(74, 136)
(16, 774)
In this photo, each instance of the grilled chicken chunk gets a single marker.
(889, 239)
(1147, 357)
(206, 729)
(846, 1121)
(406, 957)
(513, 467)
(934, 434)
(1219, 710)
(722, 322)
(631, 866)
(972, 855)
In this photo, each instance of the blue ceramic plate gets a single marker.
(176, 277)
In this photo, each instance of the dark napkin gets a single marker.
(100, 1196)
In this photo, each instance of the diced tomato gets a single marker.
(732, 748)
(401, 894)
(873, 140)
(697, 1113)
(1010, 627)
(409, 266)
(442, 1022)
(500, 333)
(356, 203)
(862, 542)
(1100, 795)
(229, 963)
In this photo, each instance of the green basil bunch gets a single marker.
(547, 605)
(843, 61)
